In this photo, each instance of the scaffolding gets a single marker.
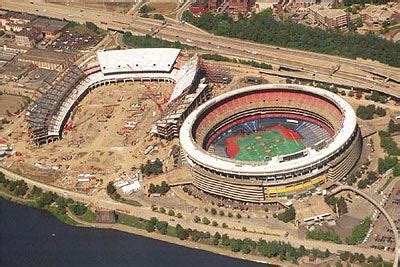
(42, 111)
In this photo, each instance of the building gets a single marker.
(261, 5)
(313, 211)
(238, 6)
(47, 59)
(168, 126)
(229, 153)
(304, 3)
(47, 117)
(375, 17)
(28, 37)
(327, 18)
(200, 6)
(49, 27)
(214, 4)
(16, 22)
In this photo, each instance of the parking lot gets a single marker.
(73, 41)
(382, 235)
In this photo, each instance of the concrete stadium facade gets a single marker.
(284, 176)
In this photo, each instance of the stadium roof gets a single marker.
(198, 154)
(138, 60)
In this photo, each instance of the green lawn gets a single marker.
(89, 216)
(263, 146)
(131, 220)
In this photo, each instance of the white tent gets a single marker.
(133, 187)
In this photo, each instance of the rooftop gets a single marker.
(16, 15)
(50, 25)
(47, 56)
(328, 12)
(310, 208)
(30, 33)
(138, 60)
(382, 11)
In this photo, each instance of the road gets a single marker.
(380, 208)
(355, 71)
(146, 213)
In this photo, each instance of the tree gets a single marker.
(221, 213)
(288, 215)
(158, 16)
(213, 211)
(214, 223)
(171, 213)
(217, 235)
(386, 164)
(205, 220)
(342, 206)
(181, 233)
(236, 245)
(2, 178)
(111, 189)
(391, 126)
(78, 209)
(162, 210)
(150, 226)
(36, 191)
(362, 184)
(93, 27)
(359, 232)
(327, 253)
(238, 216)
(61, 204)
(196, 219)
(225, 241)
(359, 23)
(162, 227)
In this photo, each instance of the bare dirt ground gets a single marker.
(163, 8)
(110, 132)
(10, 103)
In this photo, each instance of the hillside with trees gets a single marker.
(263, 28)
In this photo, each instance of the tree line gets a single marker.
(367, 112)
(252, 63)
(287, 215)
(319, 234)
(263, 28)
(49, 201)
(338, 204)
(150, 42)
(371, 178)
(359, 232)
(152, 167)
(160, 189)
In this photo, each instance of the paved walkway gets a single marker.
(146, 213)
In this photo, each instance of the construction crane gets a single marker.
(151, 95)
(208, 70)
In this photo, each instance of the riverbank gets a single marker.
(77, 222)
(32, 237)
(233, 243)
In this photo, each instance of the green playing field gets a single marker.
(262, 146)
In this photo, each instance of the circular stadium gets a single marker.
(263, 142)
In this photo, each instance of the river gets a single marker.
(31, 237)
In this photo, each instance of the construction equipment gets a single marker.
(208, 70)
(151, 95)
